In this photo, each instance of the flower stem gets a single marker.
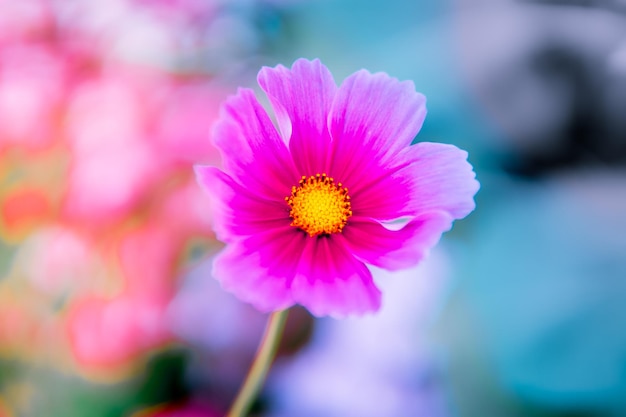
(262, 361)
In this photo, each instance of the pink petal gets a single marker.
(330, 281)
(237, 210)
(260, 268)
(301, 98)
(393, 250)
(383, 193)
(421, 178)
(372, 118)
(443, 179)
(253, 153)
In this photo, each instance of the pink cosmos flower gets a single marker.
(304, 208)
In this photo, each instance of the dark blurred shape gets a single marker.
(552, 79)
(167, 382)
(613, 5)
(298, 331)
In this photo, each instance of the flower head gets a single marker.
(303, 208)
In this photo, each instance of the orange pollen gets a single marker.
(319, 206)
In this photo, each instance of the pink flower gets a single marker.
(106, 127)
(32, 81)
(304, 208)
(106, 334)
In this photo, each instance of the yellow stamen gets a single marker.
(318, 205)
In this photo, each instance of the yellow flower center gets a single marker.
(318, 205)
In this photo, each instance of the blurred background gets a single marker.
(107, 306)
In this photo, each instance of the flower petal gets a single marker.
(330, 281)
(384, 194)
(373, 117)
(260, 268)
(237, 211)
(301, 98)
(393, 250)
(421, 178)
(444, 179)
(252, 150)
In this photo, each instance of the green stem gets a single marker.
(262, 362)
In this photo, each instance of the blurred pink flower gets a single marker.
(304, 210)
(108, 333)
(129, 132)
(113, 162)
(185, 213)
(32, 80)
(105, 218)
(23, 19)
(56, 259)
(185, 122)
